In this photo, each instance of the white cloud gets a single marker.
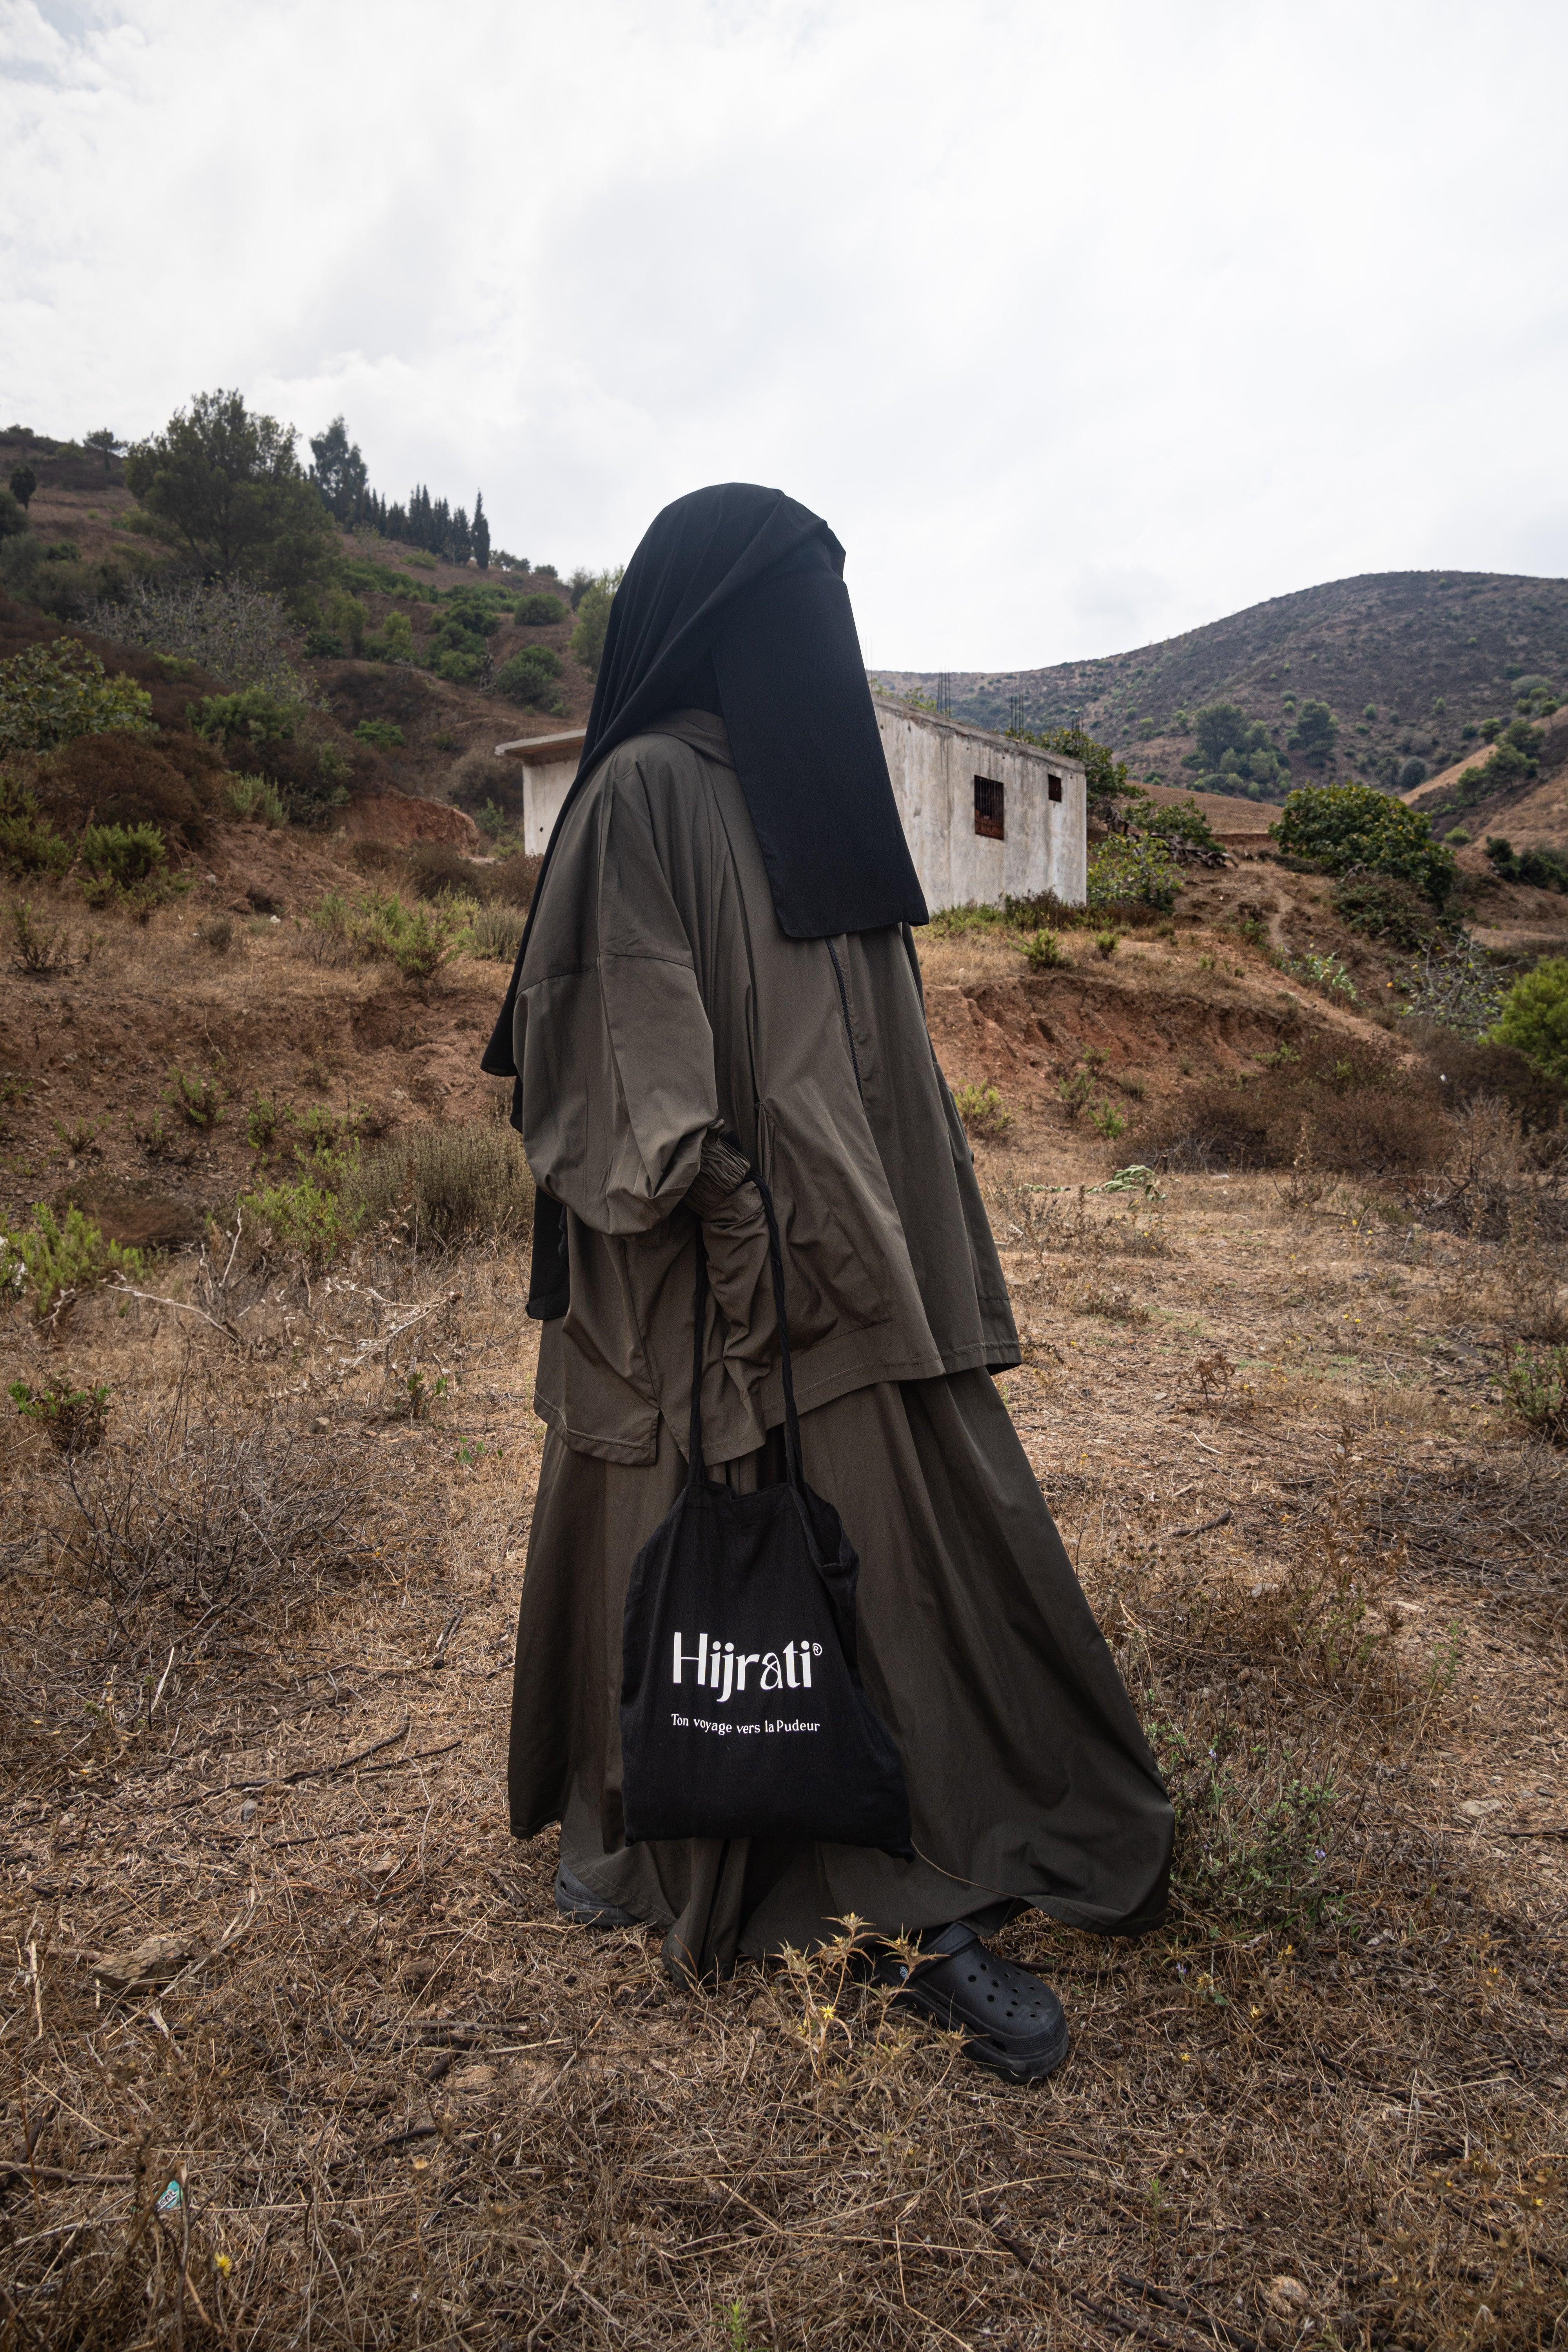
(1080, 326)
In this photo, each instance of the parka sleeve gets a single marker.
(617, 1053)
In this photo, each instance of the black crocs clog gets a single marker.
(1010, 2020)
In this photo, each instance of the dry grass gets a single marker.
(269, 1938)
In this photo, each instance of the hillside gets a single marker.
(84, 526)
(1433, 653)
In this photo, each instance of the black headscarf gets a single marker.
(735, 602)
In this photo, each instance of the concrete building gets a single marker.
(985, 818)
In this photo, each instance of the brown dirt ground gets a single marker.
(408, 2105)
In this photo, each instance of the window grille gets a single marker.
(989, 817)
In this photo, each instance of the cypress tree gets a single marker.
(481, 533)
(462, 542)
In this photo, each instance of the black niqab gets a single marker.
(735, 602)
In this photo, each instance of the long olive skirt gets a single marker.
(1029, 1779)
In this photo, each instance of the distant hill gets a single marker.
(1433, 652)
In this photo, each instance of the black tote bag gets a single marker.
(741, 1708)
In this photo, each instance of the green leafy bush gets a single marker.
(1314, 734)
(1178, 821)
(255, 716)
(530, 677)
(418, 940)
(28, 843)
(382, 734)
(258, 799)
(983, 1111)
(1044, 951)
(123, 855)
(392, 643)
(50, 694)
(199, 1101)
(52, 1264)
(1123, 871)
(1342, 826)
(458, 667)
(1542, 868)
(305, 1218)
(36, 950)
(1105, 776)
(73, 1418)
(539, 610)
(1536, 1385)
(1534, 1017)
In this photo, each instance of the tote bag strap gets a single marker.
(696, 1470)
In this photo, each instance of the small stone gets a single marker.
(249, 1811)
(473, 2078)
(1285, 2296)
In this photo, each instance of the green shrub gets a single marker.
(1534, 1017)
(305, 1218)
(50, 694)
(1536, 1385)
(1178, 821)
(983, 1111)
(258, 799)
(1107, 942)
(539, 610)
(13, 516)
(199, 1101)
(28, 843)
(122, 854)
(1340, 826)
(36, 951)
(418, 940)
(392, 643)
(255, 716)
(53, 1264)
(225, 483)
(1123, 871)
(446, 1186)
(1234, 753)
(530, 677)
(458, 667)
(1043, 952)
(382, 734)
(73, 1418)
(1543, 868)
(1325, 972)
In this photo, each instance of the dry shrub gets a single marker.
(205, 1514)
(1497, 1182)
(1349, 1109)
(173, 782)
(446, 1187)
(435, 868)
(1468, 1069)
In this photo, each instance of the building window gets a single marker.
(988, 811)
(1053, 788)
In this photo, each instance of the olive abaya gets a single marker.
(658, 1001)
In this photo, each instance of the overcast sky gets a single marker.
(1081, 324)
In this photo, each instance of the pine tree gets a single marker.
(462, 539)
(481, 533)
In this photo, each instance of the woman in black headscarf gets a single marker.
(719, 946)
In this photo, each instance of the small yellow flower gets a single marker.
(222, 2264)
(1185, 2056)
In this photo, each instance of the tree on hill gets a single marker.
(1105, 776)
(481, 533)
(1235, 753)
(108, 444)
(24, 482)
(228, 486)
(593, 620)
(339, 472)
(1315, 733)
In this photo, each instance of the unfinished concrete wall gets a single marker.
(935, 764)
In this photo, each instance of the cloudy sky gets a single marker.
(1080, 324)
